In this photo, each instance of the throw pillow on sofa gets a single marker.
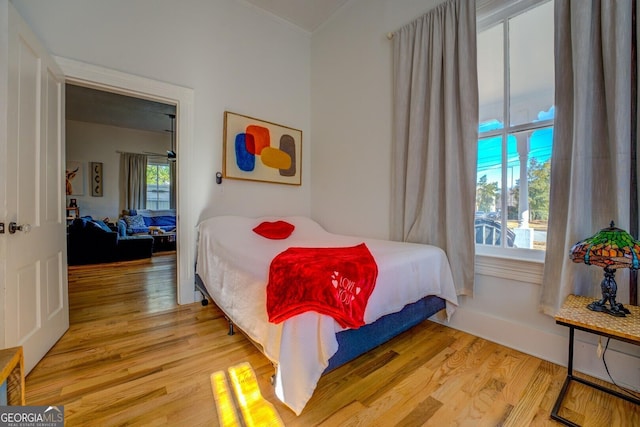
(135, 223)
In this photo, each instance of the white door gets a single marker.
(36, 311)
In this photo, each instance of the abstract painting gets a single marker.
(257, 150)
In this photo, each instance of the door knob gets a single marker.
(13, 227)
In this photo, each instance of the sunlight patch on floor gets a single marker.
(255, 410)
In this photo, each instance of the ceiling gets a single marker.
(306, 14)
(95, 106)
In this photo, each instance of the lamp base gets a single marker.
(618, 310)
(609, 290)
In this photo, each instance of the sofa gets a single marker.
(142, 221)
(91, 241)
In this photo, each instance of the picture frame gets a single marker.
(96, 179)
(258, 150)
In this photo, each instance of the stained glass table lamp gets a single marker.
(611, 248)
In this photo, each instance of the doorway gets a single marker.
(95, 77)
(103, 130)
(100, 127)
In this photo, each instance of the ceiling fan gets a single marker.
(171, 154)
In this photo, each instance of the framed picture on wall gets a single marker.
(96, 179)
(257, 150)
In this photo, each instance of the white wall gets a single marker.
(234, 56)
(91, 142)
(351, 93)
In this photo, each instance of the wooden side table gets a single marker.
(575, 315)
(73, 212)
(12, 371)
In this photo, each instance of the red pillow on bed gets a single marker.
(276, 230)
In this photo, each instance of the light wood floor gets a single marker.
(133, 357)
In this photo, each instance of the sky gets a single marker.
(490, 150)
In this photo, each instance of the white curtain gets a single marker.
(435, 135)
(133, 181)
(590, 167)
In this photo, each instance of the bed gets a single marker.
(233, 264)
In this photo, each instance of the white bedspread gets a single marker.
(233, 263)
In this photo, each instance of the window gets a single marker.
(516, 96)
(158, 186)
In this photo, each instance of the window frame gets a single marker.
(522, 264)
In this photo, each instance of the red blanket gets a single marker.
(332, 281)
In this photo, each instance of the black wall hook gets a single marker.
(218, 178)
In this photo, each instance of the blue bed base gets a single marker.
(355, 342)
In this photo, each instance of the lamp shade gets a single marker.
(611, 248)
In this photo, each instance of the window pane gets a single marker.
(489, 177)
(491, 74)
(531, 63)
(158, 186)
(512, 190)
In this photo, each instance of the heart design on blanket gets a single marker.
(348, 289)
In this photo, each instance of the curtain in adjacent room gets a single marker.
(590, 170)
(133, 181)
(435, 135)
(172, 185)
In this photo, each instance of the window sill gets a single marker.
(521, 265)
